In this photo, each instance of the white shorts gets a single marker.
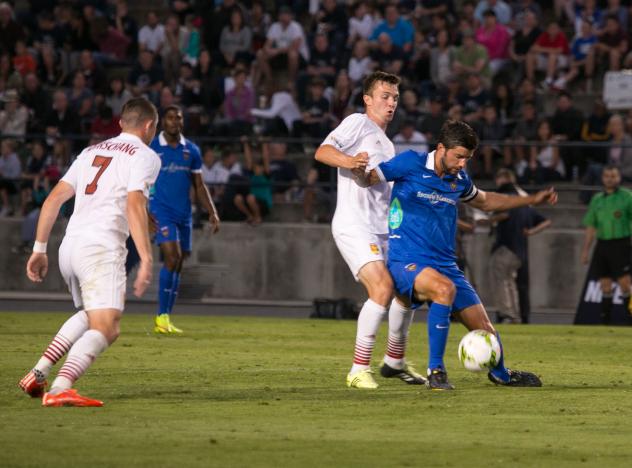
(543, 61)
(359, 248)
(94, 274)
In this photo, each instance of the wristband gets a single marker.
(39, 247)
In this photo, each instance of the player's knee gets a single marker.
(383, 291)
(173, 261)
(445, 291)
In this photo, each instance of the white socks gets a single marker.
(67, 335)
(399, 320)
(81, 355)
(369, 321)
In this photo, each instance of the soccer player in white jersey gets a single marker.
(360, 229)
(110, 182)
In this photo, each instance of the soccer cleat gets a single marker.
(362, 379)
(69, 397)
(408, 374)
(517, 379)
(163, 325)
(438, 380)
(31, 386)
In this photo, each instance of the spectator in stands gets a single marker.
(495, 38)
(388, 56)
(331, 19)
(503, 101)
(62, 120)
(208, 160)
(523, 39)
(431, 124)
(125, 25)
(491, 129)
(595, 129)
(341, 97)
(315, 119)
(79, 91)
(47, 31)
(501, 9)
(279, 118)
(117, 96)
(258, 202)
(521, 9)
(37, 102)
(620, 150)
(92, 72)
(50, 70)
(582, 56)
(235, 42)
(283, 173)
(409, 138)
(112, 44)
(317, 189)
(79, 36)
(589, 11)
(549, 53)
(152, 36)
(105, 125)
(237, 104)
(10, 30)
(10, 172)
(473, 98)
(176, 37)
(612, 44)
(259, 22)
(361, 24)
(219, 18)
(527, 93)
(14, 117)
(614, 8)
(146, 77)
(322, 59)
(545, 163)
(400, 31)
(285, 47)
(470, 58)
(32, 176)
(23, 61)
(567, 124)
(360, 63)
(526, 130)
(441, 60)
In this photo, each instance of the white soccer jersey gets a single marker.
(102, 175)
(366, 208)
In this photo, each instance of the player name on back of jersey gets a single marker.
(114, 145)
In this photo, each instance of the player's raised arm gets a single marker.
(492, 201)
(328, 154)
(37, 266)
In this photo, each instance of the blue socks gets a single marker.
(174, 291)
(500, 371)
(438, 328)
(165, 287)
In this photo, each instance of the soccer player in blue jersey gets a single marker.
(170, 204)
(422, 227)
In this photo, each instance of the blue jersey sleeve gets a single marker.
(469, 189)
(196, 158)
(399, 167)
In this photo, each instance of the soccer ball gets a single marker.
(479, 350)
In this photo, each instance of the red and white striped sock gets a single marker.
(69, 332)
(81, 356)
(399, 320)
(369, 321)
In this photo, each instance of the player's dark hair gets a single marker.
(611, 167)
(457, 133)
(137, 111)
(171, 107)
(377, 76)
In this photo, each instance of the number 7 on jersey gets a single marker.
(102, 162)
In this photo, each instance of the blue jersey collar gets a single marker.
(430, 164)
(163, 141)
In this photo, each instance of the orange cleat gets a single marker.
(69, 397)
(31, 386)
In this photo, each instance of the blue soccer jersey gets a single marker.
(423, 211)
(171, 197)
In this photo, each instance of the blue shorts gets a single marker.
(404, 275)
(174, 231)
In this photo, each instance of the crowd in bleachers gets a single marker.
(275, 70)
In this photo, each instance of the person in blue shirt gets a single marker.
(400, 30)
(170, 205)
(421, 249)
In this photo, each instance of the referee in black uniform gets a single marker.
(608, 218)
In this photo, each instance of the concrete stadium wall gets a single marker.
(301, 262)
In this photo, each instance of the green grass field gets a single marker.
(251, 392)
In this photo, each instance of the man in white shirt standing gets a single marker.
(110, 181)
(409, 138)
(360, 229)
(152, 36)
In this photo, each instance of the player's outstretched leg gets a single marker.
(81, 355)
(34, 382)
(500, 375)
(361, 375)
(166, 298)
(438, 329)
(395, 365)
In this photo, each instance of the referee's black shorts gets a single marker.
(612, 258)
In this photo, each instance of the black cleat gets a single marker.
(438, 380)
(518, 379)
(408, 374)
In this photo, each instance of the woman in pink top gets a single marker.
(495, 38)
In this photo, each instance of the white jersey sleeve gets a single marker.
(144, 171)
(345, 136)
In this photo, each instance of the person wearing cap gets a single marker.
(14, 116)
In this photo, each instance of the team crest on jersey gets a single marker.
(395, 214)
(185, 154)
(164, 231)
(617, 214)
(411, 267)
(374, 249)
(453, 185)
